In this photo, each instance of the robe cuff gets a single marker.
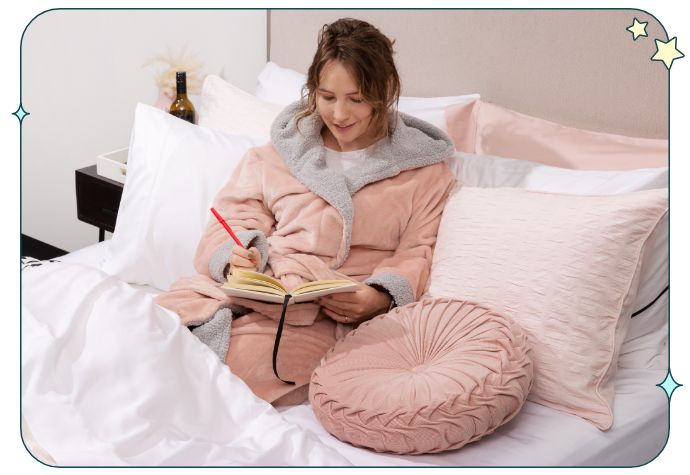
(219, 265)
(215, 332)
(398, 287)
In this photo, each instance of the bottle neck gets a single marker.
(182, 88)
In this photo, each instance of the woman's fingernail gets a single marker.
(329, 297)
(251, 256)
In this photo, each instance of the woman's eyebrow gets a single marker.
(329, 92)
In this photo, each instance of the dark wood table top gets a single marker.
(91, 171)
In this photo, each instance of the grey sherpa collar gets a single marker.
(414, 144)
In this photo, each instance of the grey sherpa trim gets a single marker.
(396, 285)
(216, 332)
(414, 144)
(218, 264)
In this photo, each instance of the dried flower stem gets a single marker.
(183, 61)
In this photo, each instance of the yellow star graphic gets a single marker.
(637, 29)
(667, 52)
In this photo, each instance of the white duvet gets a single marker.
(110, 378)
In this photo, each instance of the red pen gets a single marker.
(227, 228)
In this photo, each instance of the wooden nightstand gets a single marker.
(98, 200)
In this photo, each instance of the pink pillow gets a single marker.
(563, 267)
(487, 129)
(430, 376)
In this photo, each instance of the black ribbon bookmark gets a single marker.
(280, 332)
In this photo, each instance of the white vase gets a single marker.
(164, 101)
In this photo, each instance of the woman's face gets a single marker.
(339, 104)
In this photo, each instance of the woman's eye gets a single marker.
(327, 98)
(357, 101)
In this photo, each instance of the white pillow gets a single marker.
(279, 85)
(283, 86)
(646, 343)
(432, 109)
(227, 108)
(175, 169)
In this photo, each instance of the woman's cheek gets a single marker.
(321, 105)
(325, 113)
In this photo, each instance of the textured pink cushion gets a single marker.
(487, 129)
(229, 109)
(563, 267)
(431, 376)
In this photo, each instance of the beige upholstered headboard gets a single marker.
(579, 68)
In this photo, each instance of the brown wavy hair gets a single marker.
(367, 54)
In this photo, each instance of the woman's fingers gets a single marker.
(339, 310)
(242, 258)
(337, 306)
(363, 304)
(242, 252)
(238, 261)
(338, 317)
(254, 254)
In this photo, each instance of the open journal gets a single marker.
(256, 286)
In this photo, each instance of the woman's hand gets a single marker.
(365, 303)
(240, 259)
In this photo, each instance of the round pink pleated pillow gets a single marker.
(431, 376)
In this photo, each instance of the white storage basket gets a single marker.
(113, 165)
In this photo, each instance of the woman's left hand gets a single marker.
(354, 307)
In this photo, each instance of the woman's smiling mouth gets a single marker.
(343, 129)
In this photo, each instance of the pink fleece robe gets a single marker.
(385, 236)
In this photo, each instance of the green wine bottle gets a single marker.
(181, 106)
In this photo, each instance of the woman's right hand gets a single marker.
(240, 259)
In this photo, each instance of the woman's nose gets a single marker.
(340, 112)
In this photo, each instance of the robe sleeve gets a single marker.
(406, 272)
(241, 204)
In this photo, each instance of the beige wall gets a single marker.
(579, 68)
(81, 80)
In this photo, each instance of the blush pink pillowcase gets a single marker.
(486, 129)
(430, 376)
(563, 267)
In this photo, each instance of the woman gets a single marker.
(347, 189)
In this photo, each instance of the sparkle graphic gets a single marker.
(669, 385)
(667, 52)
(21, 113)
(637, 29)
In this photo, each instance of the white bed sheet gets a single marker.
(537, 436)
(90, 255)
(93, 255)
(110, 378)
(540, 436)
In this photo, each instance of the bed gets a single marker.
(150, 429)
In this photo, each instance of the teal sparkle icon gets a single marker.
(21, 113)
(669, 385)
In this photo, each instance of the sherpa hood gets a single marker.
(414, 144)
